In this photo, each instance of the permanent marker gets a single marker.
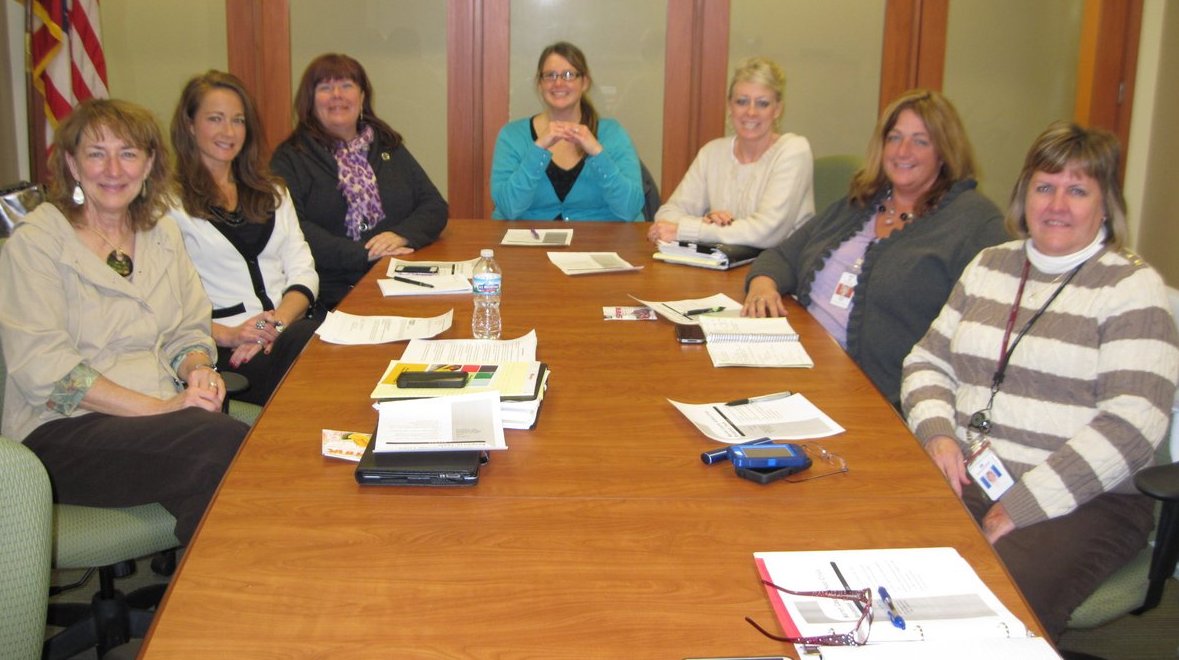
(409, 281)
(764, 397)
(705, 310)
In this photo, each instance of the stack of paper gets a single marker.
(424, 285)
(460, 423)
(507, 367)
(717, 256)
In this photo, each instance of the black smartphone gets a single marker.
(413, 379)
(689, 334)
(420, 270)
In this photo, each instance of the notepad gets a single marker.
(749, 342)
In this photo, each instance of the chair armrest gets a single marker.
(1160, 482)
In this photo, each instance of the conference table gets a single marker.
(597, 534)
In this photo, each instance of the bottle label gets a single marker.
(487, 284)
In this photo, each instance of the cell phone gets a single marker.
(689, 334)
(420, 270)
(413, 379)
(768, 456)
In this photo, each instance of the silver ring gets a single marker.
(261, 325)
(259, 341)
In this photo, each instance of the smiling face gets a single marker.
(560, 95)
(753, 109)
(338, 103)
(1064, 211)
(110, 170)
(910, 159)
(219, 127)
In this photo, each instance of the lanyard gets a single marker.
(1004, 351)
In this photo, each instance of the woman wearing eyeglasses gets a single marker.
(1055, 361)
(565, 163)
(752, 188)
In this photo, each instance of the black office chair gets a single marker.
(651, 199)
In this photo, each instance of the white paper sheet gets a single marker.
(589, 263)
(353, 330)
(459, 423)
(676, 311)
(787, 418)
(538, 237)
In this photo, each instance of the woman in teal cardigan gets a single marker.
(565, 163)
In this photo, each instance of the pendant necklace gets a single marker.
(890, 211)
(119, 261)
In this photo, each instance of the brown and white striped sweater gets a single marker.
(1088, 392)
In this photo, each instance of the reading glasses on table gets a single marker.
(858, 636)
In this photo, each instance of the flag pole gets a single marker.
(35, 108)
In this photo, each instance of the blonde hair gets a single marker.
(760, 71)
(1066, 146)
(949, 141)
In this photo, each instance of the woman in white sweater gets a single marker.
(752, 188)
(242, 233)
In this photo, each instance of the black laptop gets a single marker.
(432, 468)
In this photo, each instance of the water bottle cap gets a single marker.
(487, 253)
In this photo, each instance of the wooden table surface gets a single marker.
(598, 534)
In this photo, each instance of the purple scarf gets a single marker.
(358, 183)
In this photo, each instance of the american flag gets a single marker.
(65, 55)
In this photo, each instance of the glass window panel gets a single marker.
(1011, 69)
(624, 43)
(402, 46)
(830, 52)
(153, 47)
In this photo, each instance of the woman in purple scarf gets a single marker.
(359, 194)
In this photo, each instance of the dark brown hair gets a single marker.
(335, 66)
(257, 190)
(125, 121)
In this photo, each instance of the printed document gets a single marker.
(941, 598)
(588, 263)
(687, 312)
(477, 351)
(353, 330)
(787, 418)
(538, 237)
(459, 423)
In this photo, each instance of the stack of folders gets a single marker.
(751, 342)
(519, 385)
(717, 256)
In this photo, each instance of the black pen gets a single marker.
(706, 310)
(409, 281)
(764, 397)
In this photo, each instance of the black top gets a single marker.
(561, 179)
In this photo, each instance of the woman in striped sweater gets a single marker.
(1047, 380)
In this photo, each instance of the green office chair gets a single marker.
(833, 175)
(1137, 587)
(26, 522)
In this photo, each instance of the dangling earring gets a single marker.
(78, 197)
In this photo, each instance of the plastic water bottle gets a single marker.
(487, 287)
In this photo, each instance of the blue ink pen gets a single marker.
(893, 614)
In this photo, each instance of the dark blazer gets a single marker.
(413, 208)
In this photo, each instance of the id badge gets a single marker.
(988, 472)
(845, 290)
